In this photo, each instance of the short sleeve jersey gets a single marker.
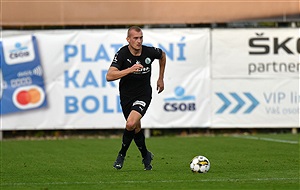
(137, 83)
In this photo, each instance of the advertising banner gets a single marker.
(22, 82)
(255, 77)
(79, 97)
(244, 103)
(214, 78)
(184, 103)
(255, 53)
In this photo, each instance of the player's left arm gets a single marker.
(162, 64)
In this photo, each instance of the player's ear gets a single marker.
(128, 39)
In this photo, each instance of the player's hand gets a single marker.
(136, 67)
(160, 85)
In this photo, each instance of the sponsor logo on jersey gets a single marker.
(142, 71)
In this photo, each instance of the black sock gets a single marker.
(139, 140)
(126, 140)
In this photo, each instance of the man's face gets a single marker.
(135, 39)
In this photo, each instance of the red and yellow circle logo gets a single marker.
(28, 97)
(25, 97)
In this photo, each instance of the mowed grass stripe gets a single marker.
(158, 181)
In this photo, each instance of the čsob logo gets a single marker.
(19, 51)
(180, 102)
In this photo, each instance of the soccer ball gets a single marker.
(200, 164)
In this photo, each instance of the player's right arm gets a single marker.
(115, 70)
(114, 73)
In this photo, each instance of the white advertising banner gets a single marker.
(255, 103)
(214, 78)
(255, 53)
(186, 101)
(75, 65)
(255, 77)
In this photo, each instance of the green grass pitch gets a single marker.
(237, 162)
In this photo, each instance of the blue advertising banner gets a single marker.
(22, 83)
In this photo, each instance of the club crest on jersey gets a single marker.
(147, 60)
(137, 62)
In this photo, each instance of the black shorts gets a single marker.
(139, 104)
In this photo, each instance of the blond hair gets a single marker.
(136, 28)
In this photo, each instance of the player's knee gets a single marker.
(130, 125)
(137, 129)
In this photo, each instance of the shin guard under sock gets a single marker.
(139, 139)
(126, 140)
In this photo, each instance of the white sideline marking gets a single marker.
(266, 139)
(157, 181)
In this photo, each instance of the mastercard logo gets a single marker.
(28, 97)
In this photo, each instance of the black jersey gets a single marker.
(137, 83)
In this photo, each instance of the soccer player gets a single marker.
(132, 65)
